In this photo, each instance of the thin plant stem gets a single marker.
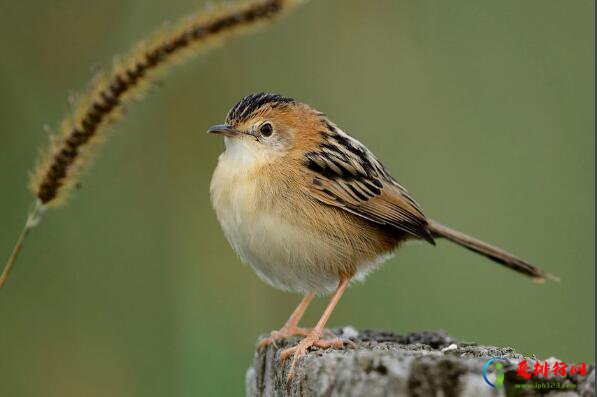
(32, 220)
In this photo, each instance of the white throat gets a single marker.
(245, 154)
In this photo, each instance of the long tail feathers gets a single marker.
(495, 254)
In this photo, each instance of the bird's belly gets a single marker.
(287, 256)
(287, 251)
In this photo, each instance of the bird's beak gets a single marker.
(223, 129)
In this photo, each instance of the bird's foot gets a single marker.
(288, 332)
(282, 333)
(312, 340)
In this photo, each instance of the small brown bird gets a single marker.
(310, 208)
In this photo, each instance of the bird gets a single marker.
(311, 209)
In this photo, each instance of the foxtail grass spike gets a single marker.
(72, 148)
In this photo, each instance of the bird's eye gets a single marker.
(266, 129)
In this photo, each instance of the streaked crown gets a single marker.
(254, 104)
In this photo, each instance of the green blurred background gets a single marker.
(483, 109)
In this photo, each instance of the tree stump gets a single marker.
(417, 364)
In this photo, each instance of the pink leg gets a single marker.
(291, 327)
(313, 339)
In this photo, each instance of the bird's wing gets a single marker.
(343, 173)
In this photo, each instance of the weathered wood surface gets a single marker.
(386, 364)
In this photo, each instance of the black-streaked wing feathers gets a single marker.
(345, 174)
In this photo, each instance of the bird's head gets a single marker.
(267, 126)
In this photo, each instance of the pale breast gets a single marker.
(291, 242)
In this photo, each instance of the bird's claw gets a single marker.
(311, 340)
(282, 333)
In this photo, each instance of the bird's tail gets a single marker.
(495, 254)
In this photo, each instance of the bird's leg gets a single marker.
(314, 337)
(291, 327)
